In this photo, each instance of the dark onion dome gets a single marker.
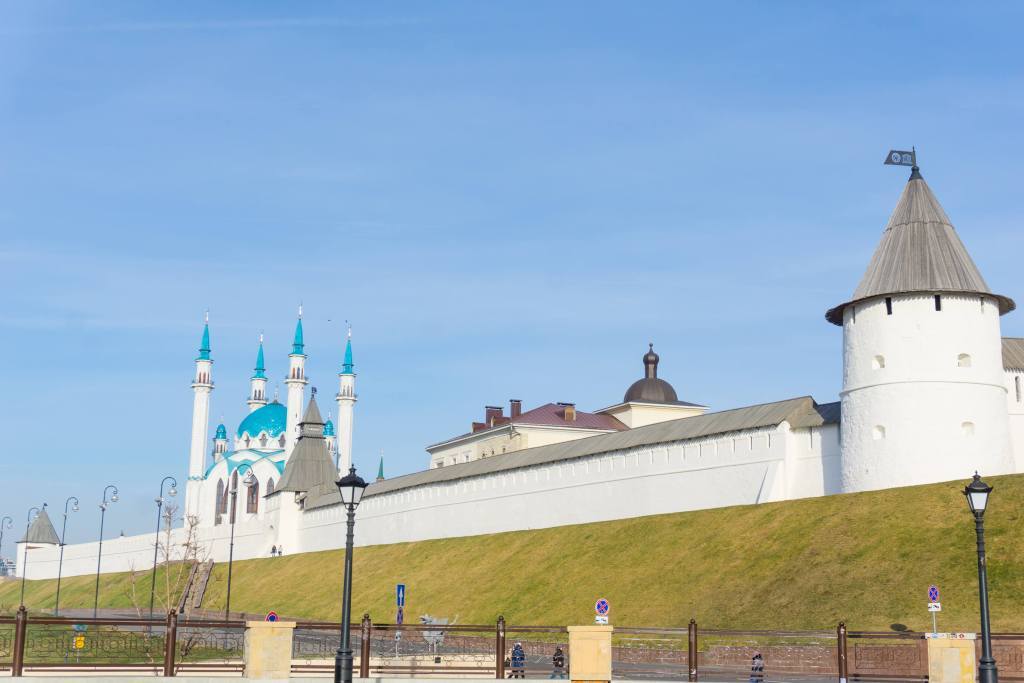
(920, 252)
(650, 389)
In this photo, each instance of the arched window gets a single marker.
(234, 487)
(967, 428)
(878, 362)
(263, 440)
(878, 432)
(252, 499)
(963, 360)
(270, 486)
(218, 504)
(246, 440)
(280, 442)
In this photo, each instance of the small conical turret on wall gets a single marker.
(296, 383)
(258, 382)
(923, 395)
(346, 399)
(202, 387)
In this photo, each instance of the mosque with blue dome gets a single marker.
(253, 459)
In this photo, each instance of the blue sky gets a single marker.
(508, 200)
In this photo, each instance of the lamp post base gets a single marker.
(987, 672)
(343, 666)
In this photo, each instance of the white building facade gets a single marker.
(931, 392)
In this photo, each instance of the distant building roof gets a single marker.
(919, 252)
(548, 415)
(800, 412)
(651, 388)
(1013, 353)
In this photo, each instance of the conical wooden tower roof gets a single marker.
(919, 252)
(309, 464)
(41, 531)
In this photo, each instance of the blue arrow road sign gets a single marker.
(400, 594)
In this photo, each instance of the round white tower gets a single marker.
(202, 387)
(258, 382)
(346, 399)
(924, 398)
(296, 383)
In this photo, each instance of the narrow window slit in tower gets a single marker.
(938, 302)
(888, 305)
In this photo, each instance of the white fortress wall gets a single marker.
(739, 468)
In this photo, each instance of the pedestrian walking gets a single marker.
(558, 663)
(757, 668)
(508, 663)
(518, 661)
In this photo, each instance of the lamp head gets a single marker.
(74, 508)
(173, 492)
(976, 493)
(114, 498)
(351, 487)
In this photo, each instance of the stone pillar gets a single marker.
(951, 660)
(590, 653)
(268, 649)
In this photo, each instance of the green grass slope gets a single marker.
(865, 558)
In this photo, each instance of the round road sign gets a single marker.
(602, 606)
(271, 616)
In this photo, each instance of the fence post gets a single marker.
(841, 650)
(364, 647)
(691, 651)
(170, 642)
(20, 627)
(499, 648)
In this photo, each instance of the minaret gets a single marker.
(923, 396)
(296, 382)
(331, 439)
(380, 468)
(346, 399)
(258, 382)
(220, 442)
(202, 386)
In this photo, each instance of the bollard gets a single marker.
(691, 650)
(20, 627)
(364, 647)
(499, 648)
(841, 650)
(170, 642)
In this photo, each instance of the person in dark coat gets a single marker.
(518, 661)
(757, 668)
(558, 663)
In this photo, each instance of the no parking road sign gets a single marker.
(601, 607)
(933, 594)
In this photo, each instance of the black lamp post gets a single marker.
(60, 563)
(156, 539)
(248, 481)
(351, 487)
(977, 498)
(6, 523)
(99, 553)
(24, 563)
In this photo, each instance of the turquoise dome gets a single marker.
(221, 432)
(329, 428)
(271, 418)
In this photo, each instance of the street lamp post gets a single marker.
(24, 563)
(99, 553)
(351, 487)
(156, 539)
(977, 498)
(248, 481)
(6, 523)
(60, 562)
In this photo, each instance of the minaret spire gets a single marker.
(202, 387)
(346, 399)
(296, 383)
(258, 382)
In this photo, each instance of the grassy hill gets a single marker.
(865, 558)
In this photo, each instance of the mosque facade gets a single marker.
(931, 392)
